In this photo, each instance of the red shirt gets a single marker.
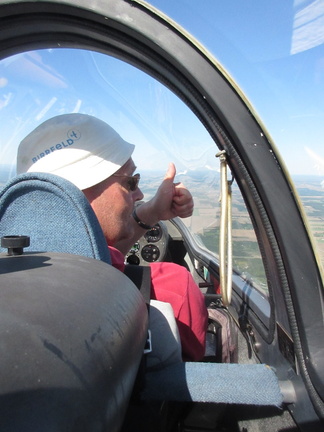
(173, 284)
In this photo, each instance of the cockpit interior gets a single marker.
(231, 94)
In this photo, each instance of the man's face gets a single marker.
(113, 201)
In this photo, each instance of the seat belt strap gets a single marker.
(141, 277)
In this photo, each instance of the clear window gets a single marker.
(38, 85)
(280, 68)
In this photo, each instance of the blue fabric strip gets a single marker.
(249, 384)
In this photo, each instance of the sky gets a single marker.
(40, 85)
(273, 50)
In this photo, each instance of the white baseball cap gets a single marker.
(77, 147)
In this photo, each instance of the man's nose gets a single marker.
(138, 195)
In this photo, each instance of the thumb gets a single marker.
(171, 172)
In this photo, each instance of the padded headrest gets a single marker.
(55, 215)
(73, 331)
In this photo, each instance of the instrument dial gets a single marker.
(154, 234)
(150, 253)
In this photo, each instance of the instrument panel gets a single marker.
(151, 247)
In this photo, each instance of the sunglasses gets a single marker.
(132, 180)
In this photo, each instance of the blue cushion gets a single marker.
(54, 213)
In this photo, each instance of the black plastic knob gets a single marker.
(15, 243)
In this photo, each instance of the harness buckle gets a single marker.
(148, 343)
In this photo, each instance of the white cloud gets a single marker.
(319, 161)
(308, 31)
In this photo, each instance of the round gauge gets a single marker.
(150, 253)
(133, 259)
(154, 234)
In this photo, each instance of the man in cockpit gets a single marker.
(89, 153)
